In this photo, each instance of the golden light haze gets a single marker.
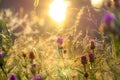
(57, 10)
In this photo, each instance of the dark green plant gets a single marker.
(5, 44)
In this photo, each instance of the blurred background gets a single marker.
(58, 33)
(90, 18)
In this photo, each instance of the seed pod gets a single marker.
(24, 55)
(31, 55)
(65, 51)
(86, 75)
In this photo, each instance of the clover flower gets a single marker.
(13, 77)
(83, 60)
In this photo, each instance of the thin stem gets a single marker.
(3, 71)
(93, 51)
(84, 68)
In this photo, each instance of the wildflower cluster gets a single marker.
(90, 58)
(84, 60)
(44, 63)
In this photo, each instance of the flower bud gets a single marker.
(1, 54)
(31, 55)
(33, 69)
(91, 57)
(13, 77)
(34, 65)
(60, 41)
(65, 51)
(92, 45)
(24, 55)
(83, 60)
(86, 75)
(1, 58)
(37, 77)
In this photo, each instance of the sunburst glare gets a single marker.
(97, 3)
(58, 10)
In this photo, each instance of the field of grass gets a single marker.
(31, 51)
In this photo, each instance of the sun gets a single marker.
(97, 3)
(57, 10)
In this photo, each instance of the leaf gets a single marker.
(18, 75)
(79, 70)
(26, 75)
(24, 66)
(10, 69)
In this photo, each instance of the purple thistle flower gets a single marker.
(37, 77)
(60, 41)
(83, 60)
(13, 77)
(1, 54)
(108, 17)
(34, 65)
(91, 57)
